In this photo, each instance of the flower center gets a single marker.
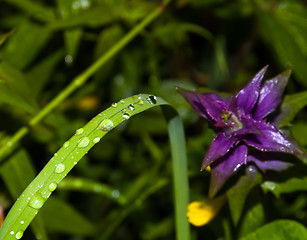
(231, 121)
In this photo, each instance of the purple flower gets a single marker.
(243, 132)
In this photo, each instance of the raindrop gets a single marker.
(96, 140)
(126, 116)
(115, 193)
(152, 99)
(19, 234)
(52, 186)
(141, 102)
(45, 194)
(37, 201)
(12, 232)
(131, 107)
(114, 105)
(68, 59)
(22, 222)
(106, 125)
(83, 143)
(122, 101)
(79, 131)
(66, 144)
(60, 168)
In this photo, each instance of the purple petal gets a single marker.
(213, 104)
(218, 148)
(271, 139)
(192, 98)
(267, 161)
(226, 167)
(271, 95)
(249, 126)
(248, 96)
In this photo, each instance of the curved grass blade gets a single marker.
(39, 190)
(35, 195)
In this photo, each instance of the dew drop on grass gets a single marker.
(37, 201)
(79, 131)
(126, 116)
(152, 99)
(106, 125)
(66, 144)
(115, 193)
(114, 105)
(96, 140)
(22, 222)
(68, 59)
(19, 234)
(52, 186)
(131, 107)
(122, 101)
(141, 102)
(83, 143)
(12, 232)
(60, 168)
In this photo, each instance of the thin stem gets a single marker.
(80, 80)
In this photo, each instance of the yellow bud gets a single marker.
(200, 213)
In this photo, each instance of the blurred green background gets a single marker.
(216, 44)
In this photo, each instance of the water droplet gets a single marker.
(19, 234)
(96, 140)
(22, 222)
(141, 102)
(66, 144)
(37, 201)
(139, 97)
(79, 131)
(60, 168)
(83, 143)
(131, 107)
(152, 99)
(126, 116)
(122, 101)
(68, 59)
(115, 193)
(106, 125)
(12, 232)
(45, 194)
(52, 186)
(114, 105)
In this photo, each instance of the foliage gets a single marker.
(62, 62)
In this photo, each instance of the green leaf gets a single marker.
(291, 185)
(279, 230)
(27, 33)
(252, 220)
(93, 17)
(17, 172)
(14, 89)
(290, 107)
(237, 194)
(34, 9)
(282, 30)
(39, 75)
(61, 217)
(88, 185)
(35, 195)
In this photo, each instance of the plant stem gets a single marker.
(80, 80)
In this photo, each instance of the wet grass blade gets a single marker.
(35, 195)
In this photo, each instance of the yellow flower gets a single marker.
(200, 213)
